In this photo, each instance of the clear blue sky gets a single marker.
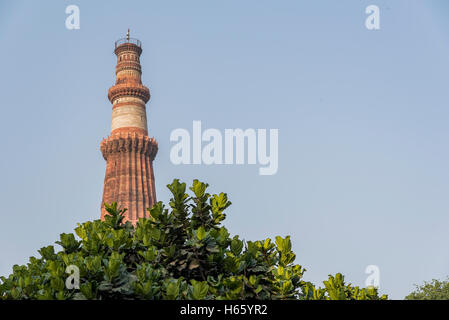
(362, 116)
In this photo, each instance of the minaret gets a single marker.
(128, 151)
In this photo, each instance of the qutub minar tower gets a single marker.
(128, 151)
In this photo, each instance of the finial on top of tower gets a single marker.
(127, 35)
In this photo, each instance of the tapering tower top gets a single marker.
(128, 96)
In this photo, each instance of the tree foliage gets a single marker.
(180, 252)
(433, 290)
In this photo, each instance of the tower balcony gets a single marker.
(126, 89)
(128, 44)
(135, 41)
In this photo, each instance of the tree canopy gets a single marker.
(182, 251)
(433, 290)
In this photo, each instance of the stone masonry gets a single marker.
(128, 151)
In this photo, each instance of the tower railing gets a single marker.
(128, 40)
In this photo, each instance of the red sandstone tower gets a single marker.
(128, 151)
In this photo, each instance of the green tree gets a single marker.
(180, 252)
(433, 290)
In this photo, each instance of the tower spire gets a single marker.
(128, 151)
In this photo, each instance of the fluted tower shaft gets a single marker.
(128, 151)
